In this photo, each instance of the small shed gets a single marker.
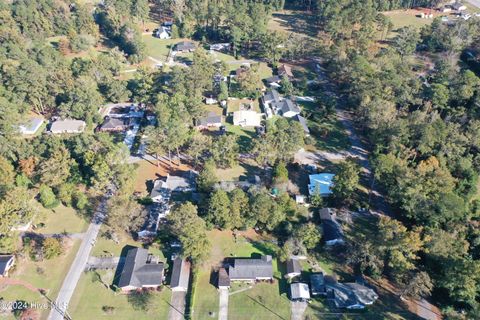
(180, 275)
(293, 268)
(317, 284)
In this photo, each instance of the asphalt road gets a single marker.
(223, 305)
(58, 312)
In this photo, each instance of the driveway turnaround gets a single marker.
(59, 309)
(177, 306)
(223, 305)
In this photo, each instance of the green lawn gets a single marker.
(234, 105)
(401, 18)
(60, 219)
(159, 48)
(91, 295)
(47, 275)
(206, 299)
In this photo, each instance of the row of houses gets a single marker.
(142, 270)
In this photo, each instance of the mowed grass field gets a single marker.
(60, 219)
(91, 295)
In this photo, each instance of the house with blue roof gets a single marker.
(321, 183)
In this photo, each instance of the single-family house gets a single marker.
(184, 182)
(293, 268)
(160, 192)
(458, 6)
(6, 263)
(220, 46)
(271, 96)
(31, 126)
(332, 231)
(180, 275)
(163, 33)
(273, 82)
(211, 120)
(67, 126)
(246, 118)
(349, 295)
(321, 183)
(287, 108)
(114, 124)
(140, 271)
(185, 46)
(317, 284)
(285, 70)
(223, 279)
(250, 269)
(299, 291)
(303, 123)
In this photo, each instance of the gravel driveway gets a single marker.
(177, 306)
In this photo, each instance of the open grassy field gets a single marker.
(91, 295)
(234, 104)
(31, 276)
(60, 219)
(293, 22)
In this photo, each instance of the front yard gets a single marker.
(91, 297)
(264, 300)
(58, 220)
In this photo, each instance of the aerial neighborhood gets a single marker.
(240, 159)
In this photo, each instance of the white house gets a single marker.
(163, 33)
(31, 127)
(247, 118)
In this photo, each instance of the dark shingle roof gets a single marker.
(180, 273)
(288, 105)
(137, 272)
(185, 46)
(223, 279)
(303, 122)
(293, 266)
(4, 259)
(317, 283)
(331, 229)
(113, 123)
(251, 269)
(272, 95)
(211, 118)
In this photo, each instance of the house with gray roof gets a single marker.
(293, 268)
(299, 291)
(184, 182)
(251, 269)
(67, 126)
(332, 231)
(287, 108)
(6, 263)
(180, 275)
(114, 124)
(140, 271)
(350, 295)
(303, 123)
(210, 120)
(185, 46)
(223, 279)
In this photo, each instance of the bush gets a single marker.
(47, 197)
(80, 200)
(52, 248)
(65, 193)
(22, 180)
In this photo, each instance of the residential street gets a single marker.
(223, 305)
(298, 308)
(177, 305)
(78, 265)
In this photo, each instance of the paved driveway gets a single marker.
(298, 308)
(223, 305)
(177, 306)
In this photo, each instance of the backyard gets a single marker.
(59, 220)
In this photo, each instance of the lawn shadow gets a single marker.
(298, 22)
